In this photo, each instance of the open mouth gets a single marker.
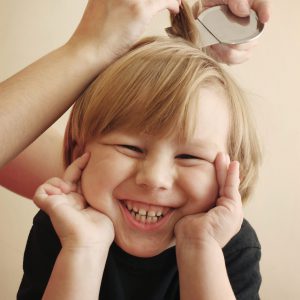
(145, 214)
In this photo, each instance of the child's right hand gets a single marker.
(77, 224)
(109, 28)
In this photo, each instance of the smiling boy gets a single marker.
(148, 211)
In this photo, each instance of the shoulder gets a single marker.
(42, 219)
(245, 238)
(43, 235)
(40, 255)
(242, 256)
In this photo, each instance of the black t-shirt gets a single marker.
(129, 278)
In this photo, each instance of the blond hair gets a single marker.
(153, 89)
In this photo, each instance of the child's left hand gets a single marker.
(224, 220)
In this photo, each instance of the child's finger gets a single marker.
(74, 170)
(43, 194)
(65, 187)
(46, 190)
(221, 165)
(232, 182)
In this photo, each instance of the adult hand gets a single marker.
(77, 224)
(235, 54)
(223, 221)
(109, 28)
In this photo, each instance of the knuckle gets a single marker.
(54, 181)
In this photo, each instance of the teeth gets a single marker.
(143, 216)
(158, 213)
(142, 212)
(151, 213)
(154, 219)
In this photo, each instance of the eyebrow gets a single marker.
(202, 144)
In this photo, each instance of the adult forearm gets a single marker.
(34, 98)
(33, 166)
(77, 274)
(202, 273)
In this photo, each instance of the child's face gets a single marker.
(157, 176)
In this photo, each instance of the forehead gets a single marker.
(211, 118)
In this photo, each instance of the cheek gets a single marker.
(93, 185)
(201, 188)
(100, 179)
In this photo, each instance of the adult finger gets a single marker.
(244, 46)
(242, 8)
(228, 54)
(211, 3)
(262, 8)
(200, 6)
(238, 7)
(74, 170)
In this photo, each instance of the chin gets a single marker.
(144, 249)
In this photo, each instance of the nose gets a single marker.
(155, 173)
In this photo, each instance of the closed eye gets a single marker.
(187, 156)
(189, 160)
(132, 148)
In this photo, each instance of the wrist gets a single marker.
(77, 245)
(77, 274)
(90, 57)
(199, 238)
(93, 252)
(197, 245)
(202, 271)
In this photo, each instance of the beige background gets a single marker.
(29, 29)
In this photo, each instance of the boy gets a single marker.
(147, 212)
